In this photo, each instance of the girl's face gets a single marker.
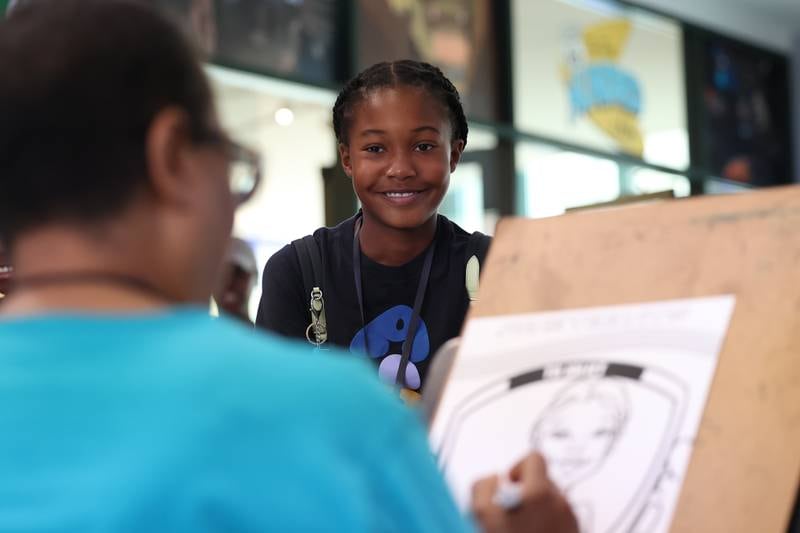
(400, 155)
(575, 440)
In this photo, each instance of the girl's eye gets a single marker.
(425, 147)
(374, 149)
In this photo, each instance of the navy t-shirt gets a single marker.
(388, 297)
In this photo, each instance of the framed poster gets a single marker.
(603, 76)
(455, 35)
(294, 38)
(742, 111)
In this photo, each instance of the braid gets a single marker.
(405, 72)
(348, 96)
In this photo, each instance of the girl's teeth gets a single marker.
(399, 194)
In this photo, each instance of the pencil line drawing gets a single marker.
(581, 426)
(612, 397)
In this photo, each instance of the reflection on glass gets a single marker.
(553, 180)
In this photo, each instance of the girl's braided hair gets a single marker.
(404, 72)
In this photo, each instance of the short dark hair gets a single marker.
(392, 74)
(81, 82)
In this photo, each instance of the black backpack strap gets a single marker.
(311, 268)
(316, 260)
(477, 248)
(306, 267)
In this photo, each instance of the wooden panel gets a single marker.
(743, 475)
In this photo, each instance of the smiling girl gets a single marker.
(395, 275)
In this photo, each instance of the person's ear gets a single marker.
(456, 150)
(344, 155)
(168, 148)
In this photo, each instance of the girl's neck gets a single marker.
(392, 246)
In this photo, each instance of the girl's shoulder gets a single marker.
(318, 253)
(323, 239)
(336, 236)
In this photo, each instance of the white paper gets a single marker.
(612, 397)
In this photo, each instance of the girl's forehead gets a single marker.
(399, 91)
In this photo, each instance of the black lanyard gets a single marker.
(400, 377)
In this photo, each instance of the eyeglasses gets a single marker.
(244, 172)
(244, 165)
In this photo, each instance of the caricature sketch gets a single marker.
(605, 398)
(582, 419)
(578, 429)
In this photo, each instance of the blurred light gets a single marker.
(284, 116)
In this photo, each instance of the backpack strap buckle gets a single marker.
(319, 323)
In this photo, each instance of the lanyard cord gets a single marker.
(400, 377)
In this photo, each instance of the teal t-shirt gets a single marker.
(174, 421)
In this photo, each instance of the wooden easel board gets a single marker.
(744, 471)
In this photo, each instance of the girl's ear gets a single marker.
(344, 155)
(456, 149)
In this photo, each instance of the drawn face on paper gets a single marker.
(575, 440)
(578, 431)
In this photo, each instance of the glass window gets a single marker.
(553, 180)
(602, 76)
(464, 202)
(713, 186)
(639, 180)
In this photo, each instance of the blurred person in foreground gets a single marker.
(238, 279)
(123, 406)
(5, 272)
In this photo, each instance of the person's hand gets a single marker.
(542, 508)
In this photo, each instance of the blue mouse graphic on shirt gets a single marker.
(383, 339)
